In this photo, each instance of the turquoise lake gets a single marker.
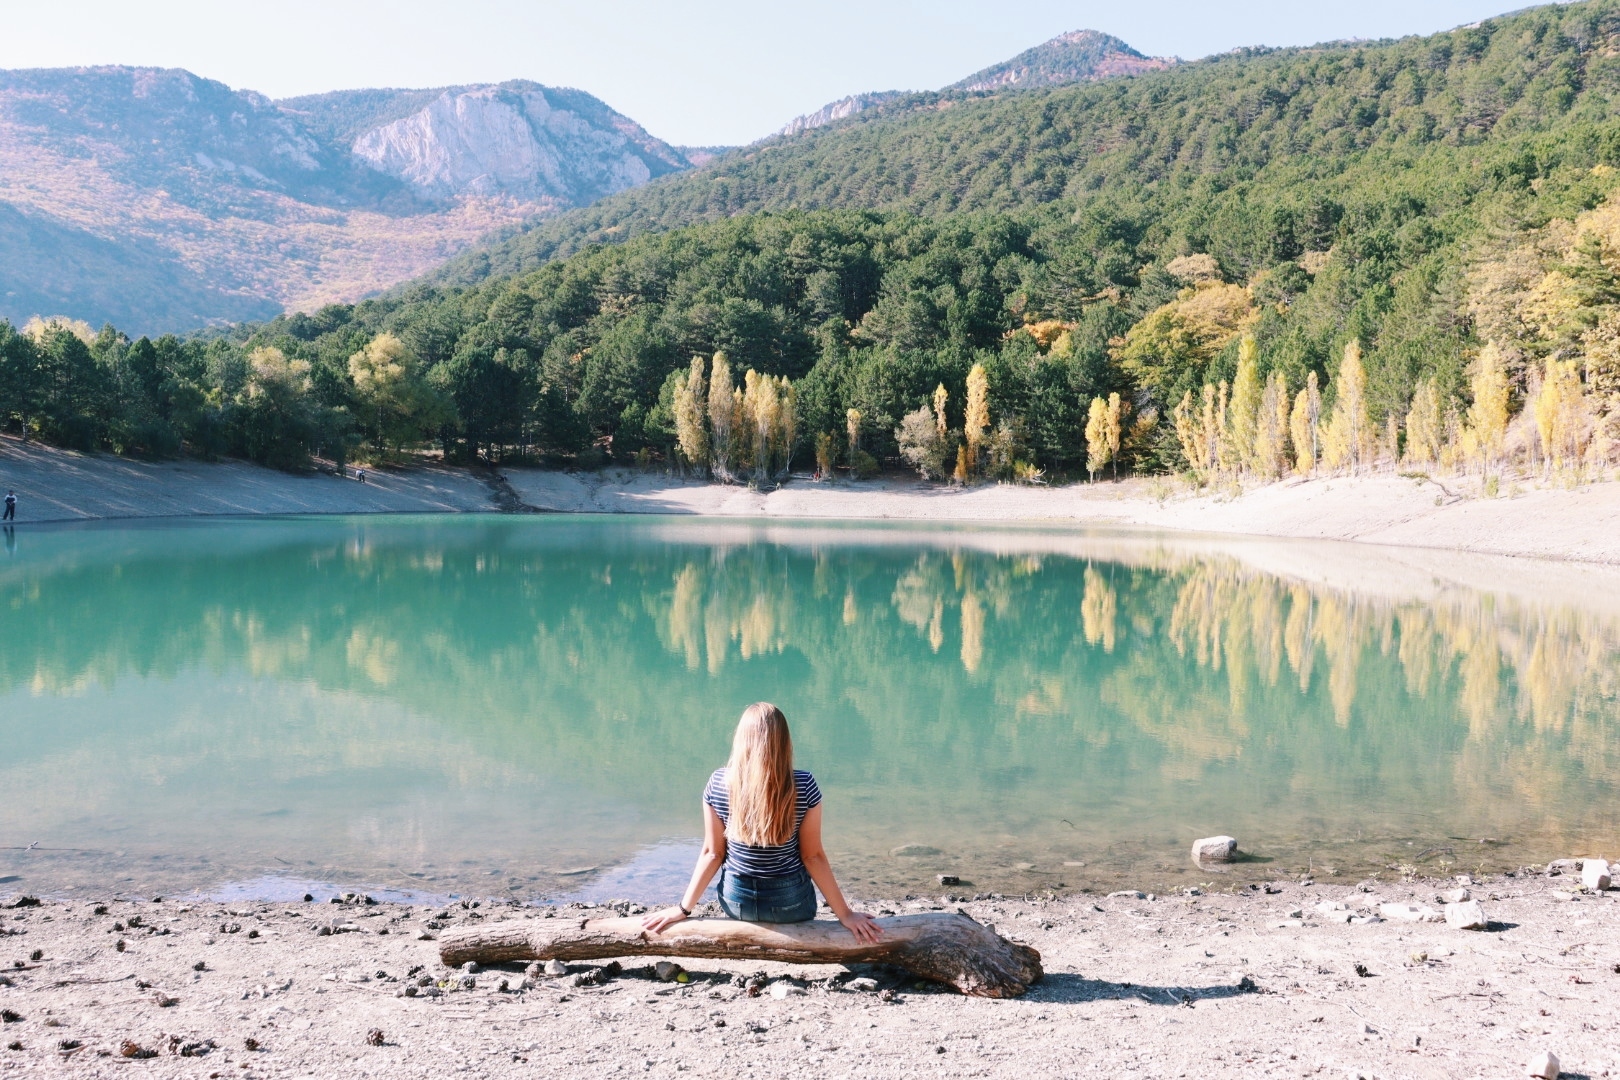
(529, 706)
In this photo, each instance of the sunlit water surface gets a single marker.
(529, 707)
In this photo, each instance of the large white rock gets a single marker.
(1214, 849)
(1409, 913)
(1595, 874)
(1467, 915)
(1544, 1066)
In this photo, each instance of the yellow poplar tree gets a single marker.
(1303, 424)
(941, 396)
(852, 427)
(1114, 430)
(1560, 410)
(1348, 440)
(1488, 415)
(721, 411)
(691, 406)
(1424, 435)
(1243, 416)
(1271, 428)
(1096, 437)
(977, 420)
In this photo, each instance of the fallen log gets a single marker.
(942, 947)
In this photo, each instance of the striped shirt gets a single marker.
(770, 861)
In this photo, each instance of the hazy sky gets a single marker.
(694, 73)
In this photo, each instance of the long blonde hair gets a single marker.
(759, 779)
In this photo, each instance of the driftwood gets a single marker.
(943, 947)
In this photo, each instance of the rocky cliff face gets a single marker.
(838, 110)
(520, 140)
(165, 201)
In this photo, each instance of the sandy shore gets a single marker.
(1549, 522)
(1245, 982)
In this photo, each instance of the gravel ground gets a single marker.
(1254, 981)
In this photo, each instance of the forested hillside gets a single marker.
(1263, 262)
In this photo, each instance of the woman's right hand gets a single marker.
(863, 926)
(659, 921)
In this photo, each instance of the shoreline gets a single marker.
(1290, 978)
(1578, 525)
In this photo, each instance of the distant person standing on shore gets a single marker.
(11, 506)
(762, 834)
(360, 475)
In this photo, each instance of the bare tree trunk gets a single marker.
(943, 947)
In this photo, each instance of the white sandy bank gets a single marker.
(1580, 524)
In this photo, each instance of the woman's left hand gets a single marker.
(863, 926)
(659, 921)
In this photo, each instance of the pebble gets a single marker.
(667, 971)
(1456, 896)
(1127, 894)
(1409, 913)
(1214, 849)
(1467, 915)
(1544, 1066)
(556, 967)
(949, 879)
(1595, 875)
(863, 985)
(1293, 913)
(781, 991)
(1562, 866)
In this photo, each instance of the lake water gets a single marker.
(530, 706)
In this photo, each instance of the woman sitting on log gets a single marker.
(762, 833)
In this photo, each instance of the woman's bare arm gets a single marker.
(708, 864)
(863, 926)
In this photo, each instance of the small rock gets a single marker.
(1214, 849)
(863, 985)
(1595, 875)
(470, 967)
(914, 850)
(556, 967)
(1409, 913)
(1544, 1066)
(1293, 913)
(1127, 894)
(667, 971)
(1563, 866)
(1328, 907)
(781, 991)
(1456, 896)
(1467, 915)
(1287, 924)
(949, 879)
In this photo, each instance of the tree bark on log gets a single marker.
(943, 947)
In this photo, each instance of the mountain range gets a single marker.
(162, 201)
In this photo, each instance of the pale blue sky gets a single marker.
(695, 73)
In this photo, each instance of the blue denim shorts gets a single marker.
(786, 898)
